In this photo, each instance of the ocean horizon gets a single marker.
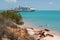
(49, 19)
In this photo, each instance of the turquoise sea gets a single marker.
(44, 18)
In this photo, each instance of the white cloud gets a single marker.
(11, 1)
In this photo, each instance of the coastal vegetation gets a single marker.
(7, 20)
(13, 16)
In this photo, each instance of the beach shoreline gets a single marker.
(30, 29)
(28, 24)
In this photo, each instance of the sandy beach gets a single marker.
(32, 31)
(56, 37)
(52, 35)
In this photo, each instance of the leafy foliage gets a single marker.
(13, 16)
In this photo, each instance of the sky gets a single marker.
(37, 4)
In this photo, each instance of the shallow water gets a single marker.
(45, 19)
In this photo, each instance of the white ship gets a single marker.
(23, 9)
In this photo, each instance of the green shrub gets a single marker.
(13, 16)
